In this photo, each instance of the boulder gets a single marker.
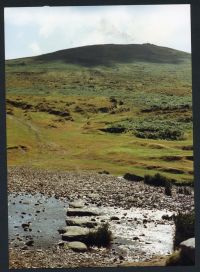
(81, 212)
(77, 246)
(188, 249)
(75, 233)
(81, 222)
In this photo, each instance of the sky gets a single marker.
(35, 31)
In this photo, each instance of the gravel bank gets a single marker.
(102, 190)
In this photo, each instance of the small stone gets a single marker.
(25, 225)
(30, 243)
(24, 248)
(60, 243)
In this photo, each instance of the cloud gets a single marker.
(34, 46)
(64, 27)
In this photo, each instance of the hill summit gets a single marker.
(109, 54)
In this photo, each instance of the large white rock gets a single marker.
(81, 222)
(77, 246)
(75, 233)
(188, 249)
(82, 212)
(76, 204)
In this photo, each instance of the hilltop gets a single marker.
(109, 54)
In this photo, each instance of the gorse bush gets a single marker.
(159, 129)
(185, 227)
(102, 237)
(166, 134)
(150, 128)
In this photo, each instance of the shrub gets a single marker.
(184, 227)
(168, 188)
(102, 237)
(132, 177)
(158, 180)
(114, 129)
(153, 128)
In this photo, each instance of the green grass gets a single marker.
(147, 99)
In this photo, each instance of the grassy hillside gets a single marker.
(120, 108)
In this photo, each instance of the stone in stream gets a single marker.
(77, 246)
(167, 217)
(30, 243)
(76, 204)
(81, 222)
(81, 212)
(25, 225)
(114, 218)
(75, 233)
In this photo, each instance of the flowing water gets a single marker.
(44, 215)
(138, 234)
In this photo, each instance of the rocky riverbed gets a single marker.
(138, 216)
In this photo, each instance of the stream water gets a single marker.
(43, 215)
(138, 234)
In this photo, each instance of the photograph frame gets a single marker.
(195, 29)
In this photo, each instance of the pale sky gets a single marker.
(35, 31)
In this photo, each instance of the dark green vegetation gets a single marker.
(184, 227)
(109, 54)
(177, 259)
(119, 108)
(101, 238)
(157, 180)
